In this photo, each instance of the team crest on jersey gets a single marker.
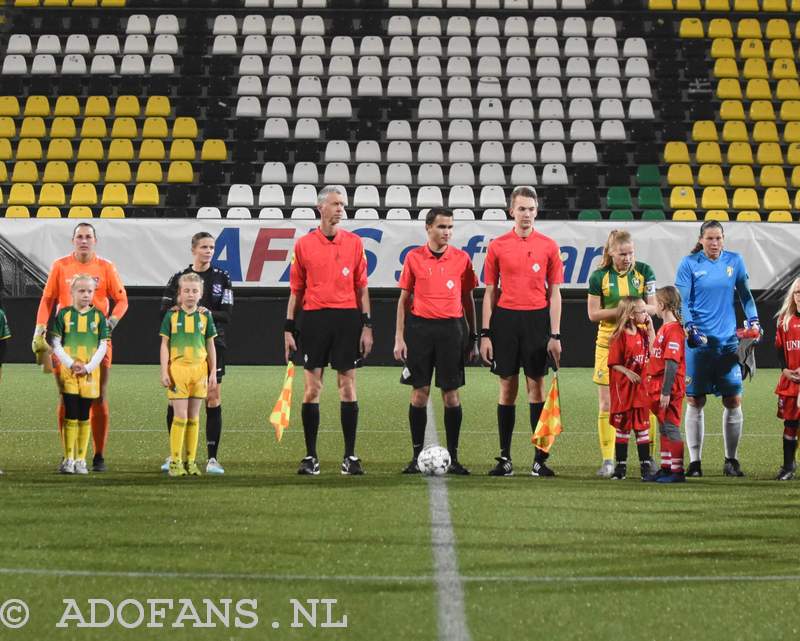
(688, 380)
(93, 326)
(345, 271)
(536, 267)
(450, 284)
(729, 271)
(216, 289)
(636, 282)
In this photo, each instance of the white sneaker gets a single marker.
(606, 469)
(165, 465)
(67, 466)
(213, 467)
(80, 467)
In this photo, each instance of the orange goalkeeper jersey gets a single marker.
(57, 288)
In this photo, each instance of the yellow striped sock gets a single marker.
(653, 435)
(70, 437)
(606, 433)
(176, 436)
(84, 432)
(192, 432)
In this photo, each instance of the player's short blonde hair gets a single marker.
(81, 278)
(190, 277)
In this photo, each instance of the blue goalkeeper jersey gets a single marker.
(707, 289)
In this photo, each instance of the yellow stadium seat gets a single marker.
(680, 174)
(729, 88)
(774, 5)
(86, 171)
(758, 89)
(717, 5)
(25, 171)
(5, 149)
(149, 171)
(745, 5)
(734, 131)
(84, 3)
(740, 153)
(94, 127)
(779, 217)
(788, 89)
(214, 149)
(3, 172)
(781, 48)
(691, 28)
(722, 48)
(751, 48)
(115, 194)
(55, 3)
(127, 106)
(748, 28)
(182, 149)
(52, 194)
(755, 68)
(772, 176)
(155, 127)
(704, 131)
(687, 5)
(118, 171)
(158, 106)
(21, 194)
(741, 176)
(180, 171)
(59, 149)
(748, 217)
(37, 106)
(83, 194)
(717, 214)
(769, 153)
(797, 200)
(684, 215)
(63, 127)
(676, 152)
(784, 68)
(145, 194)
(80, 211)
(731, 110)
(112, 3)
(32, 127)
(714, 198)
(710, 176)
(19, 211)
(67, 106)
(790, 110)
(793, 153)
(776, 198)
(720, 28)
(56, 171)
(795, 179)
(26, 3)
(184, 127)
(777, 27)
(29, 149)
(112, 212)
(124, 127)
(682, 198)
(9, 106)
(120, 149)
(151, 149)
(7, 127)
(97, 106)
(765, 131)
(744, 198)
(708, 153)
(660, 5)
(726, 68)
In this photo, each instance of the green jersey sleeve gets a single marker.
(166, 323)
(211, 328)
(58, 324)
(596, 283)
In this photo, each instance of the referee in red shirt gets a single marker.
(436, 295)
(328, 278)
(521, 319)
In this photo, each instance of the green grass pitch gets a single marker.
(573, 557)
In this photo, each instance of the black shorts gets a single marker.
(220, 361)
(519, 337)
(331, 336)
(434, 343)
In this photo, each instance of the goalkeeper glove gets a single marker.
(39, 343)
(695, 338)
(754, 325)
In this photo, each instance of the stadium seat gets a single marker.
(684, 215)
(682, 197)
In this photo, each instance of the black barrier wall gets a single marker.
(255, 336)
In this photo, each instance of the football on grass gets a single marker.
(433, 460)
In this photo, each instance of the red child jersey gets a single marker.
(788, 340)
(523, 268)
(437, 283)
(669, 345)
(328, 272)
(628, 350)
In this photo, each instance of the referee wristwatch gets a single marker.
(555, 337)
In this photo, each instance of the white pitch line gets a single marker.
(450, 592)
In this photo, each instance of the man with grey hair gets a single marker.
(328, 279)
(521, 319)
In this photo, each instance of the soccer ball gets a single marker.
(433, 460)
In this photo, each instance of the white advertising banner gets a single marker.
(256, 253)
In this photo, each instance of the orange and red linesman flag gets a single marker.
(283, 406)
(549, 425)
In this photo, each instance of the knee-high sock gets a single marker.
(621, 446)
(695, 429)
(732, 430)
(671, 448)
(506, 415)
(170, 416)
(176, 437)
(417, 418)
(310, 415)
(789, 444)
(452, 429)
(348, 411)
(606, 434)
(84, 431)
(652, 433)
(192, 432)
(213, 429)
(643, 445)
(99, 418)
(70, 437)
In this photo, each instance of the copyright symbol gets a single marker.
(14, 613)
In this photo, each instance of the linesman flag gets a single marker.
(283, 406)
(549, 425)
